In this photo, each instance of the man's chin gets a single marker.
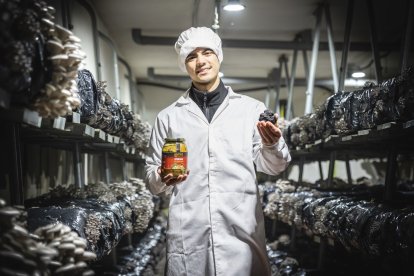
(203, 81)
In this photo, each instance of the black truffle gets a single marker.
(268, 116)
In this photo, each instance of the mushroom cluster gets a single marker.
(51, 250)
(72, 254)
(22, 32)
(59, 97)
(100, 213)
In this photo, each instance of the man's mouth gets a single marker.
(202, 71)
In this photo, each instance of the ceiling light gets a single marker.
(358, 75)
(234, 5)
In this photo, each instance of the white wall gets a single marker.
(82, 28)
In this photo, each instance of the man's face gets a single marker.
(203, 66)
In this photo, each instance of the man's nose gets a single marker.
(201, 59)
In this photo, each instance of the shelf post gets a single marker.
(407, 36)
(320, 169)
(77, 165)
(390, 183)
(292, 246)
(301, 165)
(124, 169)
(332, 159)
(322, 254)
(312, 72)
(348, 170)
(16, 181)
(283, 63)
(331, 47)
(374, 41)
(106, 168)
(347, 42)
(289, 112)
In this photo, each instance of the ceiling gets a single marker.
(275, 21)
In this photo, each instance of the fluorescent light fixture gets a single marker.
(358, 75)
(220, 74)
(234, 5)
(356, 82)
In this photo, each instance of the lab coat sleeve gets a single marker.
(153, 159)
(272, 159)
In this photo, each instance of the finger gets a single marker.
(168, 177)
(173, 181)
(264, 134)
(273, 131)
(260, 129)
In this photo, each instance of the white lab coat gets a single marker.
(215, 224)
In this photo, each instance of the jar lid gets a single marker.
(174, 140)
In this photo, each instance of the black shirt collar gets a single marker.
(215, 97)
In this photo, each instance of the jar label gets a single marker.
(174, 162)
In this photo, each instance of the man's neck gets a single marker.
(207, 87)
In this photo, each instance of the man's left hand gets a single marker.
(269, 132)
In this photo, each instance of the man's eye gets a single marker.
(208, 52)
(189, 58)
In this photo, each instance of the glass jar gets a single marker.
(174, 157)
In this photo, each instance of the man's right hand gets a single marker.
(170, 180)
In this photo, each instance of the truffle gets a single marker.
(268, 116)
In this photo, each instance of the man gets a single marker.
(215, 224)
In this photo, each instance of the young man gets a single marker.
(215, 224)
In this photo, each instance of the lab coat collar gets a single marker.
(193, 108)
(185, 99)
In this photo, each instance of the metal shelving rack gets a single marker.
(24, 126)
(384, 141)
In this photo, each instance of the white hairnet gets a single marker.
(193, 38)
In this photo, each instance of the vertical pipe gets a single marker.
(283, 61)
(274, 227)
(77, 162)
(130, 82)
(278, 85)
(194, 21)
(292, 246)
(347, 43)
(312, 72)
(332, 159)
(374, 41)
(291, 84)
(331, 47)
(124, 169)
(106, 168)
(301, 165)
(320, 169)
(322, 253)
(390, 183)
(306, 64)
(267, 98)
(348, 171)
(16, 183)
(85, 168)
(116, 72)
(65, 19)
(115, 61)
(407, 36)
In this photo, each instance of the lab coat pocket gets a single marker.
(175, 265)
(189, 226)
